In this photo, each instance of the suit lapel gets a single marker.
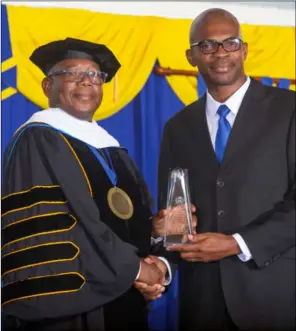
(200, 134)
(248, 120)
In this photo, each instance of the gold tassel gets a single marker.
(115, 91)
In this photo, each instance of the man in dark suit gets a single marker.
(238, 144)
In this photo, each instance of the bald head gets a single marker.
(216, 16)
(217, 49)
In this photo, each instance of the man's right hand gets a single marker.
(154, 291)
(150, 274)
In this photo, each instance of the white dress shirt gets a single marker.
(233, 103)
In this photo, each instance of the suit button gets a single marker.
(220, 183)
(221, 213)
(276, 256)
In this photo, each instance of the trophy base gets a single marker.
(175, 239)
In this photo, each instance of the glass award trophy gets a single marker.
(178, 221)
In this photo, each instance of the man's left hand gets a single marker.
(207, 247)
(150, 292)
(176, 224)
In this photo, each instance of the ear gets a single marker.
(245, 50)
(47, 86)
(190, 57)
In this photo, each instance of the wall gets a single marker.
(263, 13)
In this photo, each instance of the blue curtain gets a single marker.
(139, 125)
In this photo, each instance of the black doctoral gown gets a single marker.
(68, 262)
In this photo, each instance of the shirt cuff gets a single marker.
(245, 254)
(138, 272)
(154, 241)
(168, 278)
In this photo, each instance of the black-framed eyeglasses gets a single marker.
(209, 46)
(96, 77)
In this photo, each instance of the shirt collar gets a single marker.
(233, 103)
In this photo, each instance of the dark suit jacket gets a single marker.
(252, 193)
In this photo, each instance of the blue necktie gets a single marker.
(223, 132)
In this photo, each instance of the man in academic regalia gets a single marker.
(76, 214)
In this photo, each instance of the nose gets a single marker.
(85, 81)
(221, 52)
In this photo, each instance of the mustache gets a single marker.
(222, 63)
(85, 92)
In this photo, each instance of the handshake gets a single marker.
(151, 279)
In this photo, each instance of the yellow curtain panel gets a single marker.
(137, 42)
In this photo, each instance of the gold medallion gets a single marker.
(120, 203)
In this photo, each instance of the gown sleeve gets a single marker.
(156, 247)
(58, 258)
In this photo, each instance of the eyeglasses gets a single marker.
(96, 77)
(210, 46)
